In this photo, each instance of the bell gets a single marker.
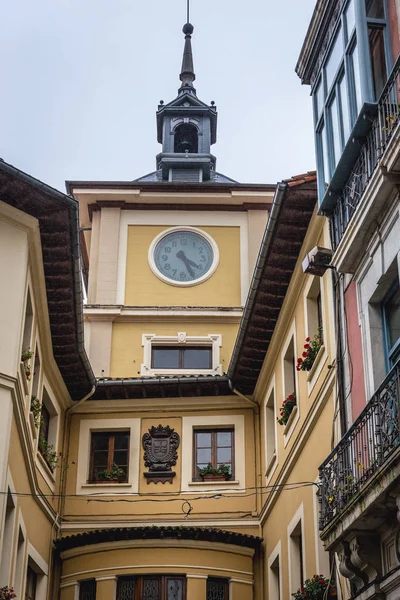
(185, 145)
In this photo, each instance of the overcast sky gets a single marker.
(81, 80)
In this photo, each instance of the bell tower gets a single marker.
(186, 128)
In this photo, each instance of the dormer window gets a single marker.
(186, 139)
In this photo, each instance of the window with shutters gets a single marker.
(152, 587)
(217, 588)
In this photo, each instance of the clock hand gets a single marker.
(186, 261)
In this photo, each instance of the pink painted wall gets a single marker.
(356, 368)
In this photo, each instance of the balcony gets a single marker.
(363, 464)
(383, 128)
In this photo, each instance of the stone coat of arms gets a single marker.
(160, 446)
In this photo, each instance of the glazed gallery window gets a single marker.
(87, 590)
(109, 457)
(152, 587)
(391, 321)
(217, 589)
(189, 357)
(354, 71)
(215, 447)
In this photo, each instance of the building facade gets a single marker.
(350, 58)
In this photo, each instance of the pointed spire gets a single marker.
(187, 75)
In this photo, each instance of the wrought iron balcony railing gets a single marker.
(383, 129)
(366, 446)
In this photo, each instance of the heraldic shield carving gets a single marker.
(160, 453)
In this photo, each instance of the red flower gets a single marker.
(322, 581)
(307, 339)
(306, 345)
(299, 360)
(304, 354)
(290, 397)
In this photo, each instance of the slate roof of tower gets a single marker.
(156, 176)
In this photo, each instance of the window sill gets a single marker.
(108, 484)
(290, 425)
(45, 470)
(214, 483)
(317, 360)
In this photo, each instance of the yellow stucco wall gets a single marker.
(127, 349)
(143, 288)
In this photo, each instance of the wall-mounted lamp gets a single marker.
(317, 261)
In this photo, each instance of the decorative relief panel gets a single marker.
(160, 446)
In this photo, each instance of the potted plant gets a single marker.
(311, 349)
(6, 593)
(36, 410)
(114, 473)
(48, 452)
(313, 589)
(286, 409)
(26, 356)
(209, 473)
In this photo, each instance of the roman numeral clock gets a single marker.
(183, 256)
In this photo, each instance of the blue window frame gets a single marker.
(354, 71)
(391, 325)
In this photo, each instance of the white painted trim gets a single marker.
(270, 462)
(176, 218)
(297, 518)
(40, 563)
(213, 422)
(86, 428)
(19, 584)
(221, 523)
(287, 432)
(54, 430)
(183, 229)
(107, 578)
(245, 581)
(189, 576)
(213, 340)
(276, 553)
(146, 568)
(68, 584)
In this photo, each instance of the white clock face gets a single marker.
(183, 256)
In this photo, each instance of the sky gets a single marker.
(81, 81)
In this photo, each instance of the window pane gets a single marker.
(175, 589)
(392, 309)
(87, 590)
(204, 455)
(121, 458)
(334, 59)
(224, 455)
(319, 99)
(378, 61)
(100, 441)
(197, 358)
(165, 358)
(350, 18)
(216, 589)
(375, 9)
(203, 440)
(224, 438)
(100, 459)
(324, 146)
(44, 424)
(345, 108)
(337, 149)
(126, 589)
(121, 441)
(150, 589)
(356, 76)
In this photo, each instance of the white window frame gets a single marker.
(54, 431)
(298, 519)
(275, 554)
(212, 340)
(295, 415)
(271, 462)
(320, 359)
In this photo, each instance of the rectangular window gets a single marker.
(152, 587)
(189, 357)
(30, 587)
(334, 59)
(109, 457)
(87, 590)
(274, 583)
(375, 9)
(44, 424)
(217, 588)
(6, 543)
(28, 323)
(350, 18)
(344, 107)
(289, 372)
(213, 447)
(296, 558)
(337, 146)
(391, 319)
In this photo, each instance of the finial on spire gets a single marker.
(187, 75)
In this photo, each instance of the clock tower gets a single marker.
(186, 128)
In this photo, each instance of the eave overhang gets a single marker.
(191, 386)
(58, 217)
(199, 534)
(293, 206)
